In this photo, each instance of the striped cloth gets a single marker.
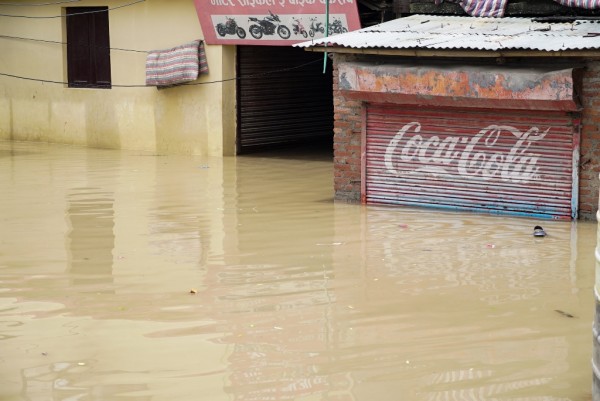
(176, 65)
(589, 4)
(485, 8)
(495, 8)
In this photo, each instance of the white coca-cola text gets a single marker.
(477, 156)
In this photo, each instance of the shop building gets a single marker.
(464, 113)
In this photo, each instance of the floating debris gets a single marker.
(193, 291)
(565, 314)
(538, 231)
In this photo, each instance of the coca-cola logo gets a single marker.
(479, 155)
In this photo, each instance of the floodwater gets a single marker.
(126, 276)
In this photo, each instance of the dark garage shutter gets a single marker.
(498, 161)
(283, 97)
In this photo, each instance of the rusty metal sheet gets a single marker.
(460, 85)
(509, 162)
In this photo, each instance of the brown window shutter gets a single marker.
(88, 47)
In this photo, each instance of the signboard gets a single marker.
(273, 22)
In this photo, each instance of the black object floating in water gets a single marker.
(538, 231)
(565, 314)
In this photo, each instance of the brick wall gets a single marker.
(590, 142)
(346, 142)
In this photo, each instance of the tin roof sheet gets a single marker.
(469, 33)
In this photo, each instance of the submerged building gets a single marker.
(443, 107)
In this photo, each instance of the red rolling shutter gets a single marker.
(517, 162)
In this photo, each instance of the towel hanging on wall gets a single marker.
(177, 65)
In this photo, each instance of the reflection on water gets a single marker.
(90, 240)
(67, 381)
(128, 276)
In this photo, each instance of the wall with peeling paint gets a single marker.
(461, 85)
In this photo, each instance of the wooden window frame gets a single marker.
(88, 47)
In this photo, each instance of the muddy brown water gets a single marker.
(126, 276)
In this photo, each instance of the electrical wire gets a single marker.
(65, 43)
(39, 4)
(186, 84)
(70, 15)
(31, 79)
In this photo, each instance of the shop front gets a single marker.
(458, 137)
(283, 94)
(488, 115)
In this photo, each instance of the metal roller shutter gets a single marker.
(497, 161)
(283, 97)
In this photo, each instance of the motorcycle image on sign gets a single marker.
(230, 27)
(315, 27)
(337, 27)
(267, 26)
(298, 28)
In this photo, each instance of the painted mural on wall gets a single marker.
(273, 22)
(498, 152)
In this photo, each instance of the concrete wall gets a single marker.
(183, 120)
(348, 127)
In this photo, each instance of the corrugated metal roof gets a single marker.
(469, 33)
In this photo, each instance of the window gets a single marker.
(88, 47)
